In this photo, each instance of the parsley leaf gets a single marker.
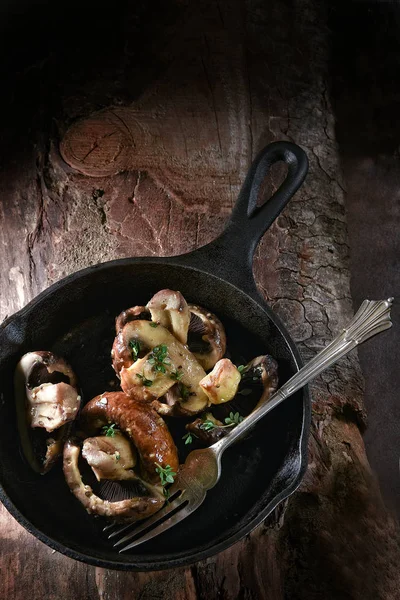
(245, 392)
(158, 357)
(207, 425)
(146, 382)
(109, 430)
(166, 476)
(241, 368)
(234, 419)
(176, 375)
(184, 391)
(188, 438)
(135, 348)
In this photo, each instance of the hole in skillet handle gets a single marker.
(270, 185)
(253, 199)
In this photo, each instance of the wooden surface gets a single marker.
(181, 98)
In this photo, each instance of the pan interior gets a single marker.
(76, 320)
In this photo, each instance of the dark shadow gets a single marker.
(52, 51)
(365, 71)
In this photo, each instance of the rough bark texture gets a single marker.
(180, 98)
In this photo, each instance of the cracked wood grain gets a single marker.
(156, 172)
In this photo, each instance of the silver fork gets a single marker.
(202, 468)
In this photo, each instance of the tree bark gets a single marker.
(136, 143)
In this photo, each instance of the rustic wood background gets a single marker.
(158, 112)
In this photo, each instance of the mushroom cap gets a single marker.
(207, 325)
(143, 426)
(47, 399)
(131, 509)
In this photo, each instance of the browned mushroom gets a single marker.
(206, 339)
(47, 399)
(165, 362)
(262, 369)
(143, 426)
(130, 509)
(155, 447)
(169, 309)
(222, 383)
(260, 376)
(131, 314)
(111, 457)
(208, 435)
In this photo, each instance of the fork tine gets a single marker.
(152, 520)
(120, 530)
(109, 526)
(176, 518)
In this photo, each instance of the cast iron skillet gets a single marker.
(75, 318)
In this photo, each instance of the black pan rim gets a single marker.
(205, 552)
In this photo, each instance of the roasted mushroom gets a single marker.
(130, 509)
(222, 383)
(111, 457)
(143, 426)
(206, 339)
(131, 314)
(149, 434)
(208, 435)
(264, 370)
(169, 309)
(122, 354)
(261, 376)
(47, 399)
(165, 362)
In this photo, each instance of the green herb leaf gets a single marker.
(135, 348)
(207, 425)
(245, 392)
(234, 419)
(117, 456)
(184, 391)
(166, 476)
(152, 324)
(146, 382)
(188, 438)
(241, 368)
(158, 358)
(176, 375)
(109, 430)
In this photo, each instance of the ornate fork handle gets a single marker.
(371, 318)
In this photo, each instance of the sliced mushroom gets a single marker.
(207, 339)
(132, 509)
(208, 436)
(177, 402)
(122, 355)
(155, 447)
(169, 309)
(141, 424)
(52, 405)
(264, 370)
(260, 374)
(144, 382)
(222, 383)
(110, 457)
(131, 314)
(47, 400)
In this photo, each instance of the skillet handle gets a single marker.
(252, 221)
(231, 254)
